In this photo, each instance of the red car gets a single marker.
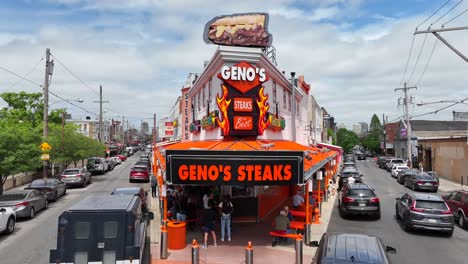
(139, 173)
(458, 203)
(122, 157)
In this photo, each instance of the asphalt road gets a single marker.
(417, 247)
(32, 239)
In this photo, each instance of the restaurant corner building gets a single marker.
(236, 135)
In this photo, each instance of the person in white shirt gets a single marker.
(206, 198)
(298, 200)
(351, 180)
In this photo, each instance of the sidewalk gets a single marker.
(234, 251)
(448, 186)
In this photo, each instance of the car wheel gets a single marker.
(32, 213)
(10, 227)
(413, 187)
(46, 204)
(342, 213)
(377, 216)
(396, 213)
(65, 191)
(407, 224)
(461, 220)
(55, 197)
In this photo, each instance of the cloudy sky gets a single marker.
(352, 52)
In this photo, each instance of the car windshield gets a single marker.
(437, 205)
(361, 192)
(126, 191)
(71, 172)
(42, 183)
(424, 177)
(94, 161)
(398, 161)
(139, 169)
(13, 196)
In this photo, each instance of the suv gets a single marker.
(397, 169)
(458, 203)
(394, 162)
(76, 176)
(350, 248)
(7, 220)
(402, 175)
(346, 173)
(358, 198)
(97, 165)
(383, 161)
(424, 211)
(360, 155)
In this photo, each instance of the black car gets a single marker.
(424, 211)
(422, 181)
(360, 155)
(358, 198)
(348, 172)
(351, 248)
(53, 188)
(403, 175)
(383, 162)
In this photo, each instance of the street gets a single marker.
(32, 239)
(416, 247)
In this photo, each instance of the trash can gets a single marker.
(176, 233)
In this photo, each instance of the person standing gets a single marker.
(226, 208)
(153, 186)
(208, 220)
(421, 166)
(206, 198)
(351, 180)
(298, 200)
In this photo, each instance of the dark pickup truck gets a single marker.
(102, 229)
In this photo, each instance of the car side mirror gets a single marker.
(390, 250)
(2, 210)
(149, 216)
(314, 244)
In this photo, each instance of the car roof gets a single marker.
(104, 202)
(342, 248)
(427, 196)
(127, 189)
(25, 191)
(350, 169)
(359, 186)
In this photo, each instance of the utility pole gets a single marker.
(406, 101)
(100, 113)
(123, 131)
(384, 136)
(49, 68)
(435, 32)
(293, 105)
(128, 132)
(154, 130)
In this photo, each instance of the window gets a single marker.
(81, 258)
(242, 191)
(204, 101)
(458, 197)
(110, 229)
(82, 230)
(109, 257)
(361, 192)
(274, 92)
(431, 205)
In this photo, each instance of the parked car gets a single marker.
(111, 164)
(348, 172)
(424, 211)
(394, 162)
(360, 155)
(397, 169)
(102, 229)
(97, 165)
(351, 248)
(122, 157)
(7, 220)
(358, 198)
(143, 163)
(117, 160)
(136, 191)
(421, 182)
(53, 188)
(434, 175)
(402, 176)
(76, 176)
(458, 203)
(25, 203)
(383, 162)
(349, 164)
(139, 173)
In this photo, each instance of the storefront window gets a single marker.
(274, 92)
(239, 191)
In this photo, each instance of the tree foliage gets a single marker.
(375, 136)
(346, 139)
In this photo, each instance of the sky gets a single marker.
(353, 52)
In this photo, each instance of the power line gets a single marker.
(68, 101)
(433, 14)
(427, 64)
(443, 108)
(22, 78)
(446, 13)
(417, 59)
(455, 17)
(407, 61)
(74, 75)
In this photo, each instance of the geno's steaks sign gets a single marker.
(235, 167)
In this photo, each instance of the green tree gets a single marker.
(375, 136)
(346, 139)
(331, 134)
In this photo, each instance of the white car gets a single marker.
(396, 169)
(7, 220)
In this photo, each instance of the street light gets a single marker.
(68, 100)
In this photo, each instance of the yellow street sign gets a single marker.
(45, 157)
(45, 146)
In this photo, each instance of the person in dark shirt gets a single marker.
(208, 221)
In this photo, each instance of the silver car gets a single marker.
(25, 203)
(76, 177)
(424, 211)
